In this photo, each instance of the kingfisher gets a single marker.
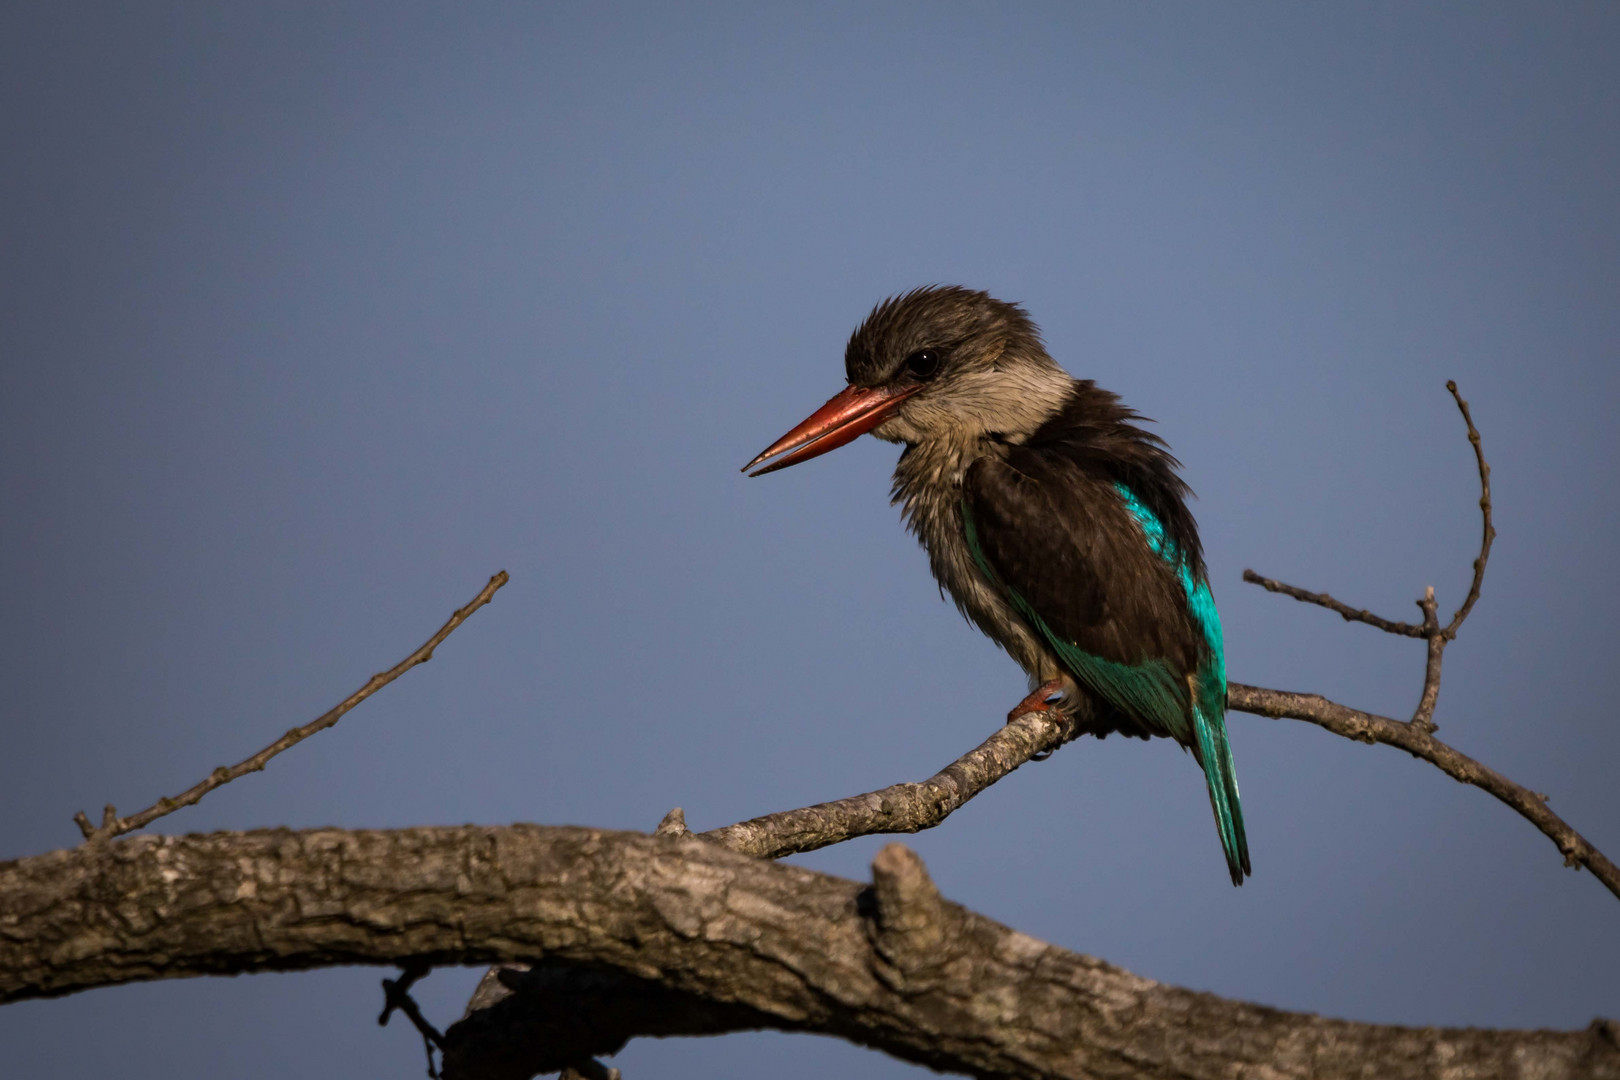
(1058, 525)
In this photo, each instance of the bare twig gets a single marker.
(113, 825)
(1423, 716)
(1371, 728)
(1350, 614)
(901, 807)
(1488, 532)
(397, 995)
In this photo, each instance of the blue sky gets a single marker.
(316, 316)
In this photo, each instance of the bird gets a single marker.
(1056, 522)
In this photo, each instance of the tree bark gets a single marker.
(626, 934)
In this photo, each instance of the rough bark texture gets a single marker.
(628, 935)
(898, 808)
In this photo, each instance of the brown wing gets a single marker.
(1064, 542)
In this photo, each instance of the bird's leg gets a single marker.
(1052, 694)
(1049, 695)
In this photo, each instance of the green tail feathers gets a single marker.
(1215, 753)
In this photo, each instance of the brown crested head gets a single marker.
(937, 363)
(932, 330)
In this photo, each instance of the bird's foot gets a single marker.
(1046, 697)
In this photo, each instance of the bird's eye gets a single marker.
(924, 363)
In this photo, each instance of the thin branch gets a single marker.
(1423, 716)
(1350, 614)
(1488, 532)
(113, 825)
(900, 808)
(913, 807)
(1371, 728)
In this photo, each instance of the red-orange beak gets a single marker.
(844, 419)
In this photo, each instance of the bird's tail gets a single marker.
(1215, 754)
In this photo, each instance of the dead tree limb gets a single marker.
(633, 935)
(911, 807)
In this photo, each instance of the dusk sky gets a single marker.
(315, 316)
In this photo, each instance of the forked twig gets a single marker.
(113, 825)
(1430, 630)
(1416, 736)
(397, 995)
(1423, 716)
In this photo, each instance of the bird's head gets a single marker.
(937, 364)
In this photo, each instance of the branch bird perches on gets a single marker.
(922, 805)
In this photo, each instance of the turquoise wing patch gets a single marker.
(1151, 690)
(1209, 711)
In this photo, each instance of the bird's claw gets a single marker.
(1046, 697)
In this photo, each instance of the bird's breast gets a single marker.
(928, 489)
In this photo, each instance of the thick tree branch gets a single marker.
(113, 825)
(645, 935)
